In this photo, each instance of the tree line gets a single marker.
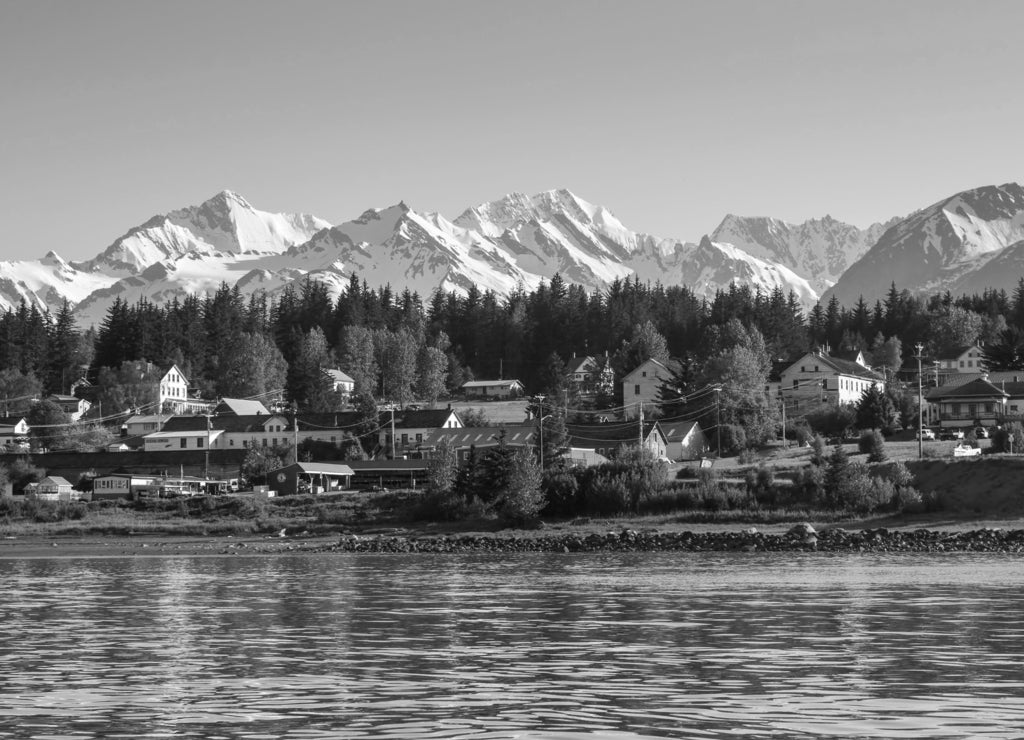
(400, 346)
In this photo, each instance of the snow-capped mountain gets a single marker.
(515, 241)
(819, 250)
(224, 223)
(965, 242)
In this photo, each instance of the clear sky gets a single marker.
(671, 114)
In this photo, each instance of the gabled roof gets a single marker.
(677, 431)
(315, 421)
(417, 418)
(11, 421)
(491, 383)
(601, 435)
(228, 423)
(240, 407)
(841, 366)
(56, 480)
(319, 467)
(980, 388)
(147, 418)
(190, 434)
(581, 365)
(481, 436)
(338, 376)
(669, 367)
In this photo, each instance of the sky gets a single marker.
(670, 114)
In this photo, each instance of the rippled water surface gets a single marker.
(552, 646)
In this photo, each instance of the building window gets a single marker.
(961, 363)
(199, 441)
(643, 374)
(636, 390)
(796, 383)
(184, 443)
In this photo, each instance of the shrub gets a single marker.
(1001, 437)
(818, 450)
(831, 421)
(873, 445)
(562, 490)
(747, 457)
(607, 494)
(734, 439)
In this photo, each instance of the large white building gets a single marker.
(817, 376)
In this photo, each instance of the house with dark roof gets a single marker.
(588, 376)
(465, 439)
(412, 427)
(965, 359)
(606, 439)
(73, 406)
(227, 431)
(819, 377)
(240, 407)
(979, 402)
(684, 439)
(13, 430)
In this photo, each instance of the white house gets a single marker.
(71, 405)
(684, 440)
(587, 375)
(13, 430)
(968, 359)
(172, 394)
(55, 488)
(340, 382)
(140, 424)
(819, 377)
(493, 389)
(641, 386)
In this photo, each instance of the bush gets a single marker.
(734, 439)
(747, 457)
(562, 489)
(606, 495)
(818, 450)
(1001, 437)
(873, 445)
(831, 421)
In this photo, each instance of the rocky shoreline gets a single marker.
(799, 537)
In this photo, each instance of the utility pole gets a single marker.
(295, 430)
(718, 419)
(640, 431)
(920, 404)
(392, 431)
(206, 465)
(785, 442)
(540, 418)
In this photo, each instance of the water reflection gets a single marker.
(564, 646)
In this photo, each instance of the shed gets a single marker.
(310, 477)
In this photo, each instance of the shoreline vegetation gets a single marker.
(966, 505)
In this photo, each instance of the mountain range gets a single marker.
(964, 243)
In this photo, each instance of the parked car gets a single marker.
(981, 433)
(951, 435)
(926, 435)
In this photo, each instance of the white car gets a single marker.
(926, 435)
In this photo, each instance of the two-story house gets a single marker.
(588, 376)
(820, 377)
(641, 385)
(173, 394)
(13, 431)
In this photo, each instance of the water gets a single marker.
(537, 646)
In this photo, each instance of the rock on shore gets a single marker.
(800, 537)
